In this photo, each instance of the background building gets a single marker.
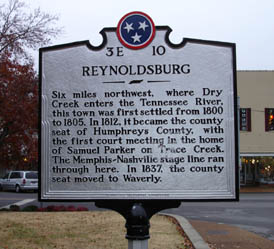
(256, 92)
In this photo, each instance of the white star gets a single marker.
(136, 38)
(143, 25)
(129, 27)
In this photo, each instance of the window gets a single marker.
(6, 176)
(245, 119)
(31, 175)
(269, 119)
(15, 175)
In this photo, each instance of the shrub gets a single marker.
(71, 209)
(4, 209)
(50, 208)
(41, 209)
(53, 208)
(31, 208)
(82, 209)
(14, 208)
(60, 209)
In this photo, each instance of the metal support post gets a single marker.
(138, 244)
(137, 214)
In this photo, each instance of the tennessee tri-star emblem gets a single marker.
(136, 30)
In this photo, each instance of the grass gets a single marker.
(80, 230)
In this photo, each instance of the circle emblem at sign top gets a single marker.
(136, 30)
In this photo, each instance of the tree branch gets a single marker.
(21, 30)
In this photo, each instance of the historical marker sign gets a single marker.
(138, 117)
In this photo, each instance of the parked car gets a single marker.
(20, 181)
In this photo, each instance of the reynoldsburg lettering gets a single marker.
(157, 69)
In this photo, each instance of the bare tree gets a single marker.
(21, 29)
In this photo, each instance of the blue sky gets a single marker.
(248, 23)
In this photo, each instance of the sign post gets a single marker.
(138, 120)
(137, 214)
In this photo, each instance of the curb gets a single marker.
(195, 238)
(20, 203)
